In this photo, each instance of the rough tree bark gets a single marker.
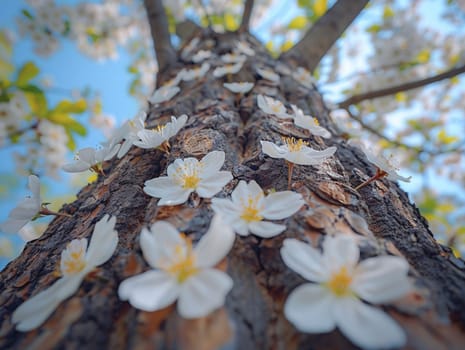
(94, 318)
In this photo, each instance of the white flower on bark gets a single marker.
(268, 74)
(244, 48)
(239, 88)
(163, 94)
(91, 159)
(233, 58)
(190, 175)
(28, 209)
(181, 272)
(77, 260)
(340, 282)
(201, 55)
(128, 132)
(227, 69)
(304, 77)
(271, 106)
(191, 46)
(385, 165)
(196, 73)
(297, 152)
(309, 123)
(158, 138)
(249, 207)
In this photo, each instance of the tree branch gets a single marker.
(323, 34)
(164, 51)
(402, 87)
(246, 14)
(187, 29)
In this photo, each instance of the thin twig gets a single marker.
(402, 87)
(246, 15)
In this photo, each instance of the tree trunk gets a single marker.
(94, 318)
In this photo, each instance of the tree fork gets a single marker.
(379, 214)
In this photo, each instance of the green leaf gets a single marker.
(6, 48)
(298, 22)
(68, 122)
(446, 139)
(388, 12)
(31, 88)
(27, 14)
(6, 69)
(375, 28)
(71, 144)
(37, 103)
(230, 22)
(67, 106)
(27, 72)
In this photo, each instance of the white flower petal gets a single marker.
(212, 162)
(169, 192)
(240, 193)
(103, 242)
(210, 186)
(308, 308)
(76, 166)
(272, 150)
(13, 225)
(280, 205)
(305, 260)
(149, 291)
(203, 293)
(226, 208)
(34, 186)
(339, 251)
(159, 243)
(381, 279)
(265, 229)
(34, 311)
(215, 244)
(367, 326)
(240, 227)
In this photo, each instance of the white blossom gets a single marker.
(77, 260)
(190, 175)
(244, 48)
(191, 46)
(340, 282)
(385, 165)
(297, 152)
(91, 159)
(304, 77)
(233, 58)
(164, 93)
(160, 136)
(128, 132)
(239, 88)
(180, 271)
(268, 74)
(201, 55)
(271, 106)
(196, 73)
(309, 123)
(227, 69)
(27, 210)
(248, 207)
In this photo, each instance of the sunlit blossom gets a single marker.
(233, 58)
(309, 123)
(239, 88)
(340, 282)
(244, 48)
(227, 69)
(296, 151)
(196, 73)
(191, 46)
(201, 55)
(248, 209)
(77, 260)
(304, 77)
(271, 106)
(268, 74)
(384, 168)
(91, 159)
(30, 208)
(158, 138)
(181, 271)
(128, 133)
(163, 94)
(190, 175)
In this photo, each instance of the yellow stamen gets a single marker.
(185, 265)
(188, 177)
(317, 123)
(250, 212)
(340, 282)
(294, 145)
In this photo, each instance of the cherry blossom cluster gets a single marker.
(187, 273)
